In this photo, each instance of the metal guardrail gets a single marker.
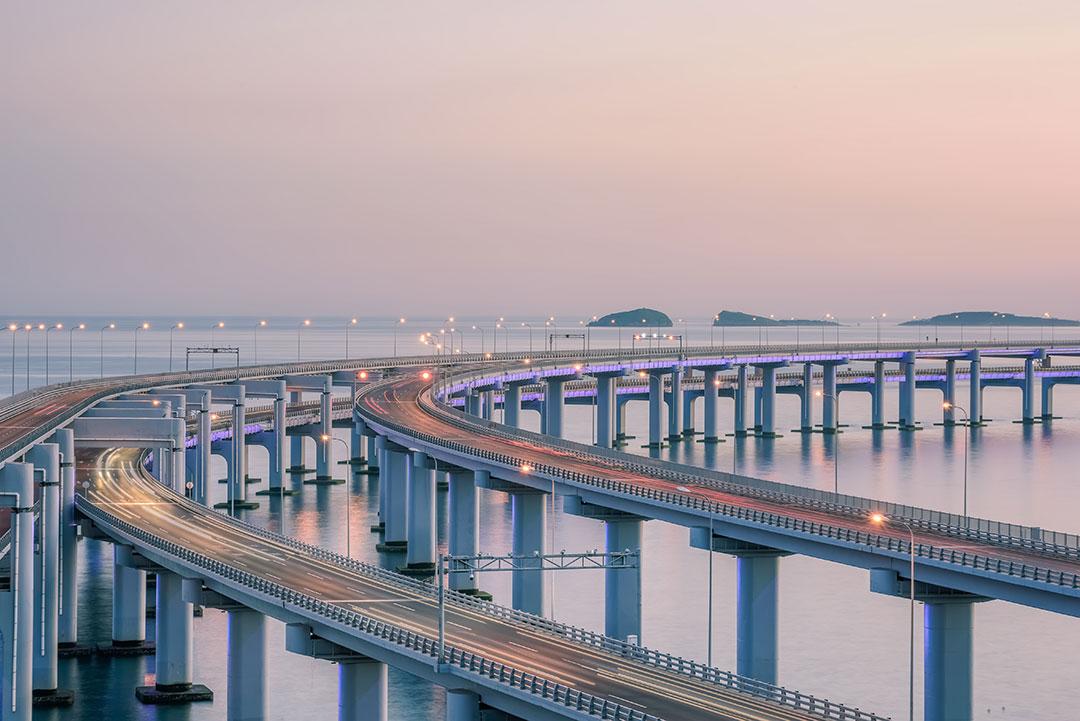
(474, 663)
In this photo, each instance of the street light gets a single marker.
(101, 347)
(144, 326)
(14, 328)
(326, 438)
(303, 324)
(836, 436)
(71, 349)
(881, 520)
(213, 356)
(878, 319)
(177, 326)
(400, 322)
(480, 328)
(708, 504)
(29, 328)
(348, 326)
(529, 326)
(952, 406)
(58, 326)
(255, 332)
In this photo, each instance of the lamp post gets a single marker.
(529, 326)
(836, 437)
(144, 326)
(255, 333)
(177, 326)
(953, 406)
(58, 326)
(71, 349)
(299, 328)
(878, 319)
(481, 329)
(14, 328)
(101, 348)
(400, 322)
(554, 332)
(30, 327)
(881, 520)
(708, 504)
(326, 438)
(348, 326)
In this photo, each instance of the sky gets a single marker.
(385, 158)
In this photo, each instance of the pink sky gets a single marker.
(558, 157)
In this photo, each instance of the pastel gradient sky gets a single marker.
(431, 157)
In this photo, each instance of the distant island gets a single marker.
(989, 317)
(639, 318)
(735, 318)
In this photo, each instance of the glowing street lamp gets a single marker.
(300, 327)
(101, 348)
(214, 327)
(58, 326)
(255, 333)
(481, 329)
(349, 326)
(71, 349)
(880, 519)
(952, 406)
(29, 327)
(144, 326)
(328, 439)
(709, 506)
(175, 327)
(14, 328)
(529, 326)
(836, 443)
(400, 322)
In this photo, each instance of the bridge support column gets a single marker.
(356, 443)
(462, 705)
(620, 422)
(710, 401)
(877, 397)
(656, 407)
(622, 588)
(947, 660)
(688, 400)
(297, 451)
(975, 382)
(530, 588)
(372, 455)
(203, 453)
(362, 691)
(16, 618)
(741, 385)
(1028, 401)
(489, 405)
(757, 410)
(605, 410)
(173, 658)
(512, 404)
(464, 512)
(675, 406)
(420, 554)
(277, 447)
(247, 665)
(553, 406)
(907, 393)
(129, 605)
(46, 578)
(1046, 386)
(768, 400)
(806, 405)
(324, 453)
(829, 421)
(949, 411)
(67, 632)
(758, 610)
(393, 485)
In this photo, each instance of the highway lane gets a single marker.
(399, 401)
(121, 485)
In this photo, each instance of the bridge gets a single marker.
(142, 446)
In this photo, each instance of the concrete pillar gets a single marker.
(656, 405)
(553, 406)
(711, 401)
(129, 600)
(173, 658)
(688, 400)
(948, 417)
(296, 443)
(488, 410)
(512, 404)
(373, 455)
(462, 705)
(947, 661)
(530, 537)
(1028, 401)
(16, 602)
(464, 512)
(277, 446)
(394, 486)
(757, 409)
(605, 411)
(356, 443)
(46, 577)
(907, 393)
(1046, 386)
(324, 456)
(740, 401)
(237, 476)
(829, 421)
(362, 690)
(247, 666)
(806, 405)
(757, 613)
(67, 626)
(768, 401)
(622, 588)
(620, 420)
(675, 406)
(421, 516)
(975, 381)
(877, 397)
(203, 455)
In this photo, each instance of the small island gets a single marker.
(638, 318)
(990, 318)
(735, 318)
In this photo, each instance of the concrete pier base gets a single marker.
(247, 696)
(362, 691)
(947, 661)
(462, 705)
(173, 660)
(394, 488)
(757, 636)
